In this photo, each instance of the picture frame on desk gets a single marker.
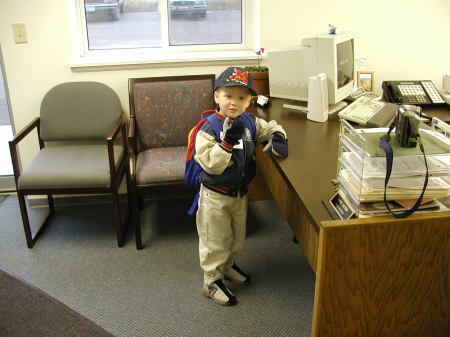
(365, 79)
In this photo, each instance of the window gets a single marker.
(193, 23)
(161, 26)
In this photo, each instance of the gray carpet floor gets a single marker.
(156, 291)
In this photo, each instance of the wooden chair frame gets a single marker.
(117, 174)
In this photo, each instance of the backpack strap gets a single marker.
(207, 113)
(216, 124)
(193, 133)
(194, 205)
(191, 139)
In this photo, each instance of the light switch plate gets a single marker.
(20, 33)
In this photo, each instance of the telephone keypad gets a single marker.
(432, 92)
(413, 94)
(422, 92)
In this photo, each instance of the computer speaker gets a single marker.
(318, 98)
(446, 82)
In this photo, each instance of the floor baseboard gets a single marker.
(77, 200)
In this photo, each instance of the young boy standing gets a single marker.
(228, 167)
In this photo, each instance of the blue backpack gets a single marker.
(193, 169)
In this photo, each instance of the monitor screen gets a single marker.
(345, 71)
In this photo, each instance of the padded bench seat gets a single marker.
(65, 166)
(161, 164)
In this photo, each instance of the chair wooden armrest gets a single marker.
(132, 165)
(118, 125)
(132, 128)
(132, 142)
(25, 131)
(132, 148)
(115, 129)
(35, 123)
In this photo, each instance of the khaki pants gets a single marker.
(221, 227)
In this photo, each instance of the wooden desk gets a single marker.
(443, 113)
(374, 277)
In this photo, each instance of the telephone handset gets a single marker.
(411, 92)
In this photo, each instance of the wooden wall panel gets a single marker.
(290, 206)
(309, 240)
(386, 278)
(258, 190)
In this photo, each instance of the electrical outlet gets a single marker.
(20, 33)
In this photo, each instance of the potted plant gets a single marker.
(260, 75)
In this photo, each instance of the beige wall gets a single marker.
(402, 39)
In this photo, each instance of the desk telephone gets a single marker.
(411, 92)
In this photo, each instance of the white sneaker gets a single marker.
(235, 275)
(219, 293)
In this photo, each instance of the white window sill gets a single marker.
(109, 60)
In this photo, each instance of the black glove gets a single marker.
(278, 144)
(234, 133)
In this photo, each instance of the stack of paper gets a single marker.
(372, 189)
(362, 173)
(378, 208)
(401, 167)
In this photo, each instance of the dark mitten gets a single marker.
(234, 133)
(279, 145)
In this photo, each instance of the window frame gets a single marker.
(188, 54)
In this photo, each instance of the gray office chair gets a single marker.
(80, 151)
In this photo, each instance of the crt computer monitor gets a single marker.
(332, 54)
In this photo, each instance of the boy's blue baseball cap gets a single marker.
(235, 76)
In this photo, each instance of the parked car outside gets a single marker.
(110, 9)
(188, 7)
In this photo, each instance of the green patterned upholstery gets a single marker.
(161, 164)
(166, 111)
